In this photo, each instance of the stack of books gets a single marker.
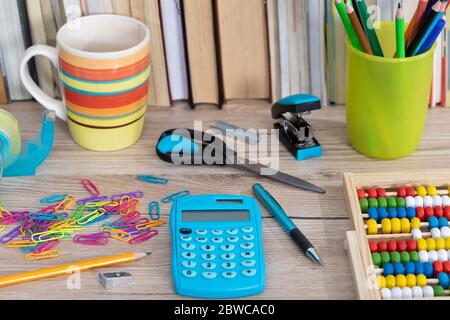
(210, 51)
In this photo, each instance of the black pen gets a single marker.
(280, 215)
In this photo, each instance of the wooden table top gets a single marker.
(324, 219)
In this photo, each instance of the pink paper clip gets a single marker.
(90, 187)
(96, 239)
(46, 246)
(144, 236)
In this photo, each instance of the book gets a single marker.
(97, 6)
(148, 12)
(4, 93)
(72, 9)
(317, 49)
(39, 36)
(121, 7)
(201, 52)
(14, 38)
(244, 50)
(274, 50)
(175, 49)
(330, 54)
(293, 44)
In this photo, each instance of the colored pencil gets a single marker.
(70, 268)
(429, 23)
(416, 20)
(340, 6)
(358, 29)
(400, 32)
(369, 29)
(355, 7)
(431, 39)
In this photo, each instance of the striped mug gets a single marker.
(103, 63)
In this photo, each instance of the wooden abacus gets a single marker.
(431, 189)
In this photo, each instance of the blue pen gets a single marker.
(280, 215)
(431, 27)
(433, 36)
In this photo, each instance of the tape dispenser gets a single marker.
(19, 158)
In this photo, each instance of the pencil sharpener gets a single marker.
(296, 134)
(111, 280)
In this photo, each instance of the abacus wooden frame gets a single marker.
(358, 244)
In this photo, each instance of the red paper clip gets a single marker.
(90, 187)
(144, 236)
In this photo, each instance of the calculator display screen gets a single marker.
(216, 215)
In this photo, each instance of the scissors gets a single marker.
(189, 147)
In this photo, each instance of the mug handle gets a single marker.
(37, 93)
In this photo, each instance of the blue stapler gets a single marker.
(22, 158)
(295, 133)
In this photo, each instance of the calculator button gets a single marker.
(248, 237)
(217, 232)
(186, 238)
(189, 264)
(248, 254)
(249, 272)
(227, 247)
(228, 265)
(232, 232)
(188, 255)
(208, 266)
(247, 245)
(247, 230)
(248, 263)
(185, 231)
(209, 275)
(202, 240)
(188, 246)
(208, 247)
(208, 256)
(189, 273)
(201, 232)
(232, 239)
(217, 240)
(228, 256)
(229, 274)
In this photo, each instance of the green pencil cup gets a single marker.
(387, 99)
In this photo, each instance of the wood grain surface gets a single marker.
(290, 275)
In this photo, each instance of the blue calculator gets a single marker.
(217, 250)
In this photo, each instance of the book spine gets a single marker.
(222, 97)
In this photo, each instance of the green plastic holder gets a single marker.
(387, 99)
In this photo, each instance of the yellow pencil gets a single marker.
(70, 268)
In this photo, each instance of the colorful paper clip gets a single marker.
(10, 236)
(144, 236)
(65, 204)
(97, 239)
(47, 236)
(151, 224)
(90, 187)
(91, 199)
(20, 244)
(2, 227)
(53, 199)
(154, 210)
(116, 234)
(43, 255)
(46, 246)
(175, 196)
(152, 179)
(134, 194)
